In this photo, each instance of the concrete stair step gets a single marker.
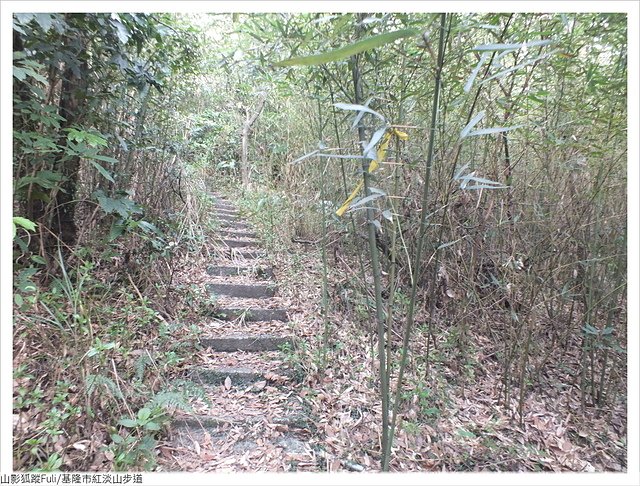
(228, 271)
(285, 436)
(228, 217)
(255, 291)
(239, 243)
(239, 376)
(234, 225)
(292, 421)
(246, 253)
(251, 315)
(247, 343)
(218, 208)
(230, 233)
(227, 212)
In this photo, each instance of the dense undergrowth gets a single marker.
(453, 397)
(97, 350)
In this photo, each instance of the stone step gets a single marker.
(251, 315)
(242, 290)
(237, 234)
(234, 225)
(228, 217)
(220, 202)
(225, 208)
(289, 448)
(217, 375)
(292, 421)
(247, 254)
(247, 343)
(225, 271)
(238, 375)
(239, 243)
(227, 212)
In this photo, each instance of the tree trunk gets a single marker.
(72, 104)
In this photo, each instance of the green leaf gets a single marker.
(44, 20)
(121, 30)
(19, 73)
(92, 139)
(104, 158)
(149, 228)
(102, 170)
(125, 422)
(123, 206)
(466, 433)
(144, 414)
(117, 438)
(45, 178)
(152, 426)
(350, 50)
(24, 223)
(117, 229)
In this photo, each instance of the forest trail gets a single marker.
(250, 416)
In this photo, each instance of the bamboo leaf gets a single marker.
(497, 59)
(360, 114)
(487, 131)
(462, 169)
(519, 66)
(474, 73)
(503, 47)
(450, 243)
(335, 156)
(361, 108)
(375, 190)
(306, 156)
(485, 186)
(369, 150)
(474, 121)
(350, 50)
(317, 153)
(480, 179)
(365, 200)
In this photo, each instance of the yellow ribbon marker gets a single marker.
(381, 153)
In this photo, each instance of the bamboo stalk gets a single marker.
(421, 238)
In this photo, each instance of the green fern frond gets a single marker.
(93, 382)
(141, 365)
(170, 399)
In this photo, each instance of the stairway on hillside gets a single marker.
(251, 417)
